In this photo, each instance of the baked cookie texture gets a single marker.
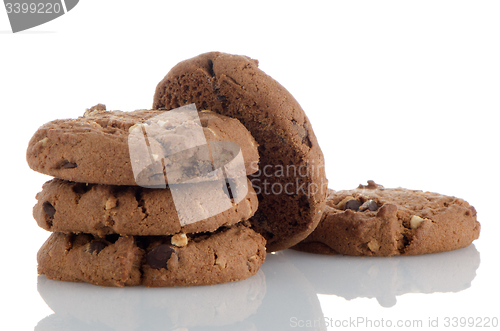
(228, 254)
(375, 221)
(114, 219)
(291, 184)
(64, 206)
(95, 148)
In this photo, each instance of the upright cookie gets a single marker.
(374, 221)
(100, 210)
(229, 254)
(291, 183)
(122, 148)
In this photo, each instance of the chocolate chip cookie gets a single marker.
(376, 221)
(100, 210)
(144, 147)
(291, 183)
(228, 254)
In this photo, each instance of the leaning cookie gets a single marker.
(374, 221)
(65, 206)
(228, 254)
(292, 183)
(143, 147)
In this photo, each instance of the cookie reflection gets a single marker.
(385, 278)
(290, 301)
(278, 297)
(84, 306)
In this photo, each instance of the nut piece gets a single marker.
(89, 113)
(252, 258)
(341, 204)
(44, 141)
(132, 128)
(161, 123)
(250, 210)
(179, 240)
(94, 110)
(370, 205)
(221, 262)
(415, 221)
(373, 245)
(213, 132)
(111, 203)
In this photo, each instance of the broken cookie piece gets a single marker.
(374, 221)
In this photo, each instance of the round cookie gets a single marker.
(100, 210)
(229, 254)
(291, 183)
(106, 147)
(374, 221)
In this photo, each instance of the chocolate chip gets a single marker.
(49, 209)
(81, 188)
(372, 205)
(352, 204)
(112, 237)
(227, 188)
(97, 246)
(159, 256)
(204, 122)
(472, 211)
(69, 165)
(369, 205)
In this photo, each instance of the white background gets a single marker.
(402, 92)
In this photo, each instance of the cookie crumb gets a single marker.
(179, 240)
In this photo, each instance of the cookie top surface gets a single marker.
(291, 183)
(64, 206)
(228, 254)
(378, 221)
(143, 147)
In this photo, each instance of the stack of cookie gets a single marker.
(131, 206)
(138, 198)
